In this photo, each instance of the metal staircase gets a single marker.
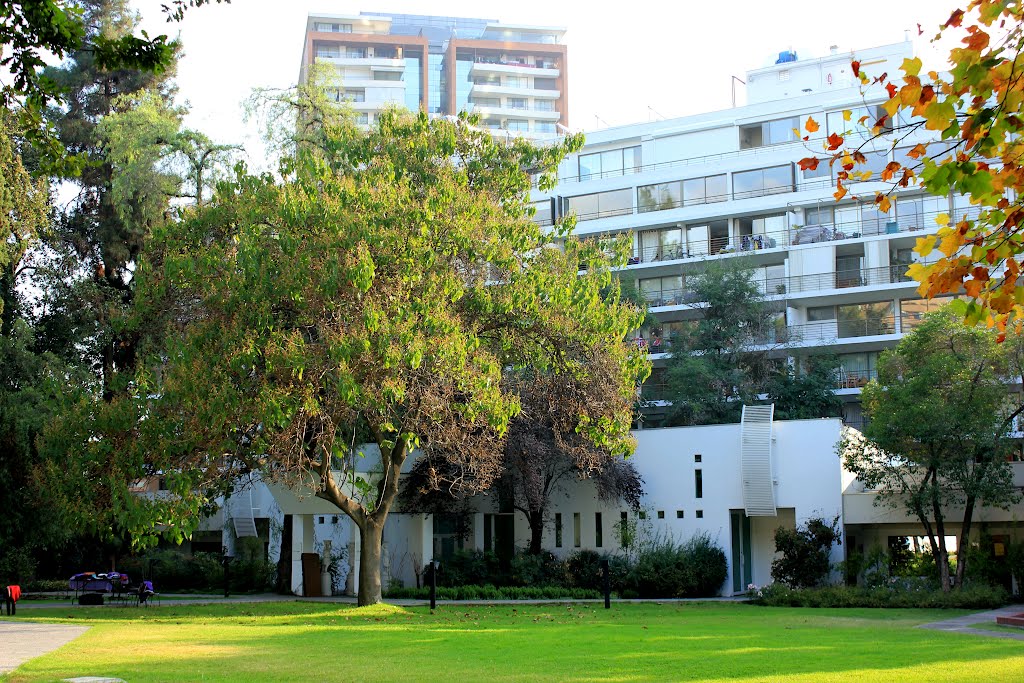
(242, 514)
(756, 461)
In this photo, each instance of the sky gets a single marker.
(627, 62)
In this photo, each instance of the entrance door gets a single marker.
(742, 559)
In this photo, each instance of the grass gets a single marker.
(581, 642)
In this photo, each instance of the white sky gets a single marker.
(628, 62)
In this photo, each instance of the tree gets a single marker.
(803, 553)
(728, 356)
(937, 439)
(33, 30)
(375, 294)
(973, 118)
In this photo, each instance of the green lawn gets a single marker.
(713, 641)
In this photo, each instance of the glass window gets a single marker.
(611, 163)
(576, 540)
(520, 125)
(698, 483)
(865, 320)
(545, 84)
(769, 132)
(912, 311)
(660, 196)
(514, 82)
(818, 215)
(631, 159)
(387, 75)
(544, 127)
(820, 313)
(704, 190)
(598, 530)
(716, 188)
(762, 181)
(517, 103)
(355, 52)
(543, 212)
(544, 105)
(558, 529)
(600, 204)
(870, 115)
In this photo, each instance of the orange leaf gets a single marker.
(977, 41)
(839, 193)
(919, 151)
(890, 170)
(973, 288)
(856, 68)
(954, 19)
(835, 141)
(884, 204)
(811, 125)
(891, 89)
(809, 164)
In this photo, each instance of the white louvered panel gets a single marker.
(241, 514)
(756, 461)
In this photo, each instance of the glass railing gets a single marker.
(825, 330)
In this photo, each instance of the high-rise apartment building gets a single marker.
(726, 184)
(514, 76)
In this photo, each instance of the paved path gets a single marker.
(23, 641)
(966, 623)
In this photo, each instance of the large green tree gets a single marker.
(730, 354)
(376, 294)
(938, 436)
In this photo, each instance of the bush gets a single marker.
(17, 566)
(907, 593)
(172, 570)
(468, 567)
(542, 569)
(804, 560)
(663, 569)
(583, 569)
(47, 586)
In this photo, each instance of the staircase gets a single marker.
(756, 461)
(242, 514)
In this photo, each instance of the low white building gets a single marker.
(697, 479)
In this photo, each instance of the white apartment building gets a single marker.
(513, 75)
(726, 184)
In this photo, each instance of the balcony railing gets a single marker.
(825, 330)
(854, 379)
(842, 279)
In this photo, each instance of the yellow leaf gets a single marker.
(847, 115)
(911, 67)
(917, 271)
(942, 219)
(884, 204)
(924, 245)
(951, 243)
(910, 94)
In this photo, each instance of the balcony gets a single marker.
(546, 70)
(829, 330)
(374, 63)
(854, 379)
(843, 279)
(518, 112)
(485, 89)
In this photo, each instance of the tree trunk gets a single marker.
(964, 543)
(536, 520)
(371, 535)
(941, 553)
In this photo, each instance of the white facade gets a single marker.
(726, 184)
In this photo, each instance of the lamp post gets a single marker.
(225, 561)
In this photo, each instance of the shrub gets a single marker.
(468, 567)
(804, 560)
(583, 569)
(17, 566)
(538, 570)
(663, 569)
(906, 593)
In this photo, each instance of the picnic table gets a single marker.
(100, 584)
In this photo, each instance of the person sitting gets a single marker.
(145, 591)
(11, 596)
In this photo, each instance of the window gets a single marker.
(517, 103)
(355, 52)
(520, 125)
(515, 82)
(769, 133)
(700, 514)
(545, 84)
(543, 212)
(558, 529)
(762, 181)
(320, 520)
(329, 51)
(864, 320)
(601, 204)
(848, 271)
(598, 531)
(659, 197)
(912, 311)
(642, 514)
(819, 215)
(705, 190)
(661, 245)
(679, 514)
(816, 314)
(862, 120)
(324, 27)
(662, 291)
(363, 119)
(486, 79)
(387, 75)
(486, 102)
(822, 170)
(544, 105)
(697, 457)
(661, 514)
(918, 213)
(610, 163)
(857, 369)
(698, 483)
(334, 519)
(576, 541)
(353, 95)
(544, 127)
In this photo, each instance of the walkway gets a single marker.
(966, 623)
(24, 641)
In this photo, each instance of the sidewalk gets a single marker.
(25, 640)
(965, 623)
